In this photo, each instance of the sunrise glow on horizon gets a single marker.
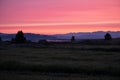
(59, 16)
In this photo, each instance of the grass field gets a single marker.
(60, 62)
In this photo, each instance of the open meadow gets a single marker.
(60, 62)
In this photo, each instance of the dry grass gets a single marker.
(61, 62)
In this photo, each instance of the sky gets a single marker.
(59, 16)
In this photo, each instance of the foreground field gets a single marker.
(60, 62)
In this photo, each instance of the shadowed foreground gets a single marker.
(60, 62)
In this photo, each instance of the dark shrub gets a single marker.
(73, 39)
(107, 36)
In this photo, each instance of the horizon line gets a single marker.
(58, 33)
(61, 23)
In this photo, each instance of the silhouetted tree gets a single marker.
(107, 36)
(19, 37)
(73, 39)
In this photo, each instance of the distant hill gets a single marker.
(79, 35)
(88, 35)
(29, 36)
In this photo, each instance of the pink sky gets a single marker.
(59, 16)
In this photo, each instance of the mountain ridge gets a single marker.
(78, 35)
